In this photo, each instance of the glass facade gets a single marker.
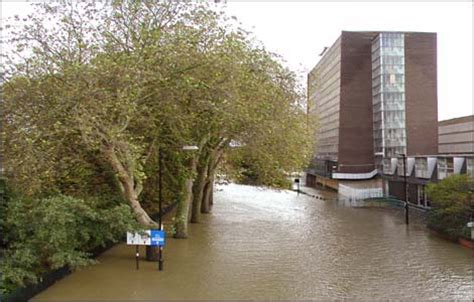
(388, 94)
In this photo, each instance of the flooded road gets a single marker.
(267, 244)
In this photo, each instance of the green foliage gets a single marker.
(92, 90)
(452, 205)
(50, 233)
(250, 169)
(4, 197)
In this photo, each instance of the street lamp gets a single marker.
(333, 170)
(160, 196)
(405, 185)
(297, 181)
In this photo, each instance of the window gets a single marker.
(445, 167)
(400, 168)
(470, 167)
(421, 167)
(393, 79)
(387, 166)
(421, 195)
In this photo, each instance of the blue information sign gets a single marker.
(157, 238)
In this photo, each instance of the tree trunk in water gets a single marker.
(182, 210)
(205, 205)
(151, 253)
(211, 194)
(198, 188)
(208, 200)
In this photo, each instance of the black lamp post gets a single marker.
(405, 186)
(160, 204)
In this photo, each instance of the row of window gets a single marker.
(379, 107)
(467, 126)
(389, 78)
(389, 97)
(390, 133)
(390, 117)
(329, 101)
(330, 56)
(396, 87)
(329, 71)
(393, 50)
(328, 127)
(445, 166)
(389, 39)
(387, 60)
(387, 69)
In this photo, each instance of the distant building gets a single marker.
(456, 156)
(456, 136)
(375, 96)
(420, 171)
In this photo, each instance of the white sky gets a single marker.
(299, 31)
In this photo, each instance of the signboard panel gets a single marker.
(142, 238)
(157, 238)
(147, 237)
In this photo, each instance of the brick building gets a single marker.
(375, 96)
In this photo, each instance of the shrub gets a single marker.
(452, 205)
(50, 233)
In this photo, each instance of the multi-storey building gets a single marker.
(375, 95)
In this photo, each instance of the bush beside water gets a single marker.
(452, 206)
(43, 235)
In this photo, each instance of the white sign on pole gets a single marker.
(139, 239)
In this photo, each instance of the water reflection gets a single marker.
(268, 244)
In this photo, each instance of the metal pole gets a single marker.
(405, 187)
(160, 203)
(137, 255)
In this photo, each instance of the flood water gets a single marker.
(267, 244)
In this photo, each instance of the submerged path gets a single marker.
(267, 244)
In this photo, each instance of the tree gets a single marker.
(93, 84)
(452, 202)
(94, 90)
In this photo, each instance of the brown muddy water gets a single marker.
(266, 244)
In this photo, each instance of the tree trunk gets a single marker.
(211, 194)
(198, 188)
(182, 210)
(140, 213)
(205, 205)
(151, 253)
(207, 201)
(208, 198)
(128, 188)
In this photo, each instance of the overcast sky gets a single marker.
(299, 31)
